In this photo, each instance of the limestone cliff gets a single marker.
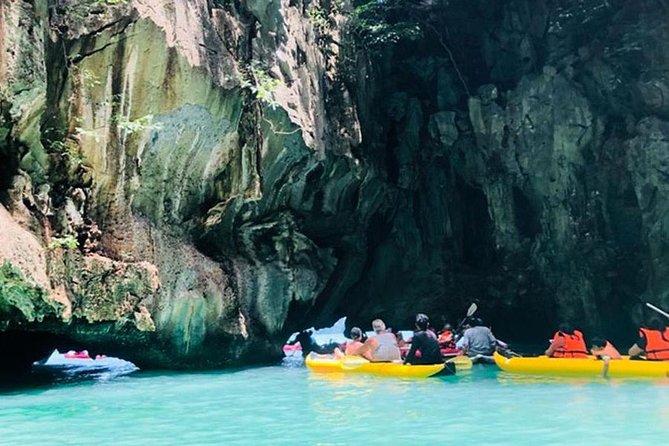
(526, 142)
(187, 184)
(186, 181)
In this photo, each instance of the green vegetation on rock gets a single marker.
(131, 126)
(381, 23)
(20, 300)
(261, 84)
(79, 9)
(67, 242)
(319, 18)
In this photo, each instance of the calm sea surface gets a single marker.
(288, 405)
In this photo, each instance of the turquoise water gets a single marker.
(291, 406)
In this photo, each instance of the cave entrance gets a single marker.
(478, 249)
(19, 349)
(9, 152)
(527, 221)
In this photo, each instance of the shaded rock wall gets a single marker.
(525, 183)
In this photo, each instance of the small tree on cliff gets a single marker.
(377, 24)
(261, 84)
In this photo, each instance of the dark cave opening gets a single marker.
(9, 161)
(391, 162)
(19, 349)
(527, 222)
(477, 231)
(8, 168)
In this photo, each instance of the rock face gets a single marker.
(186, 182)
(522, 158)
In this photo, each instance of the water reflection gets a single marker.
(21, 382)
(505, 378)
(511, 379)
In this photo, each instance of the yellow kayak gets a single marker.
(620, 368)
(356, 364)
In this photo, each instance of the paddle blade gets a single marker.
(472, 309)
(449, 369)
(461, 362)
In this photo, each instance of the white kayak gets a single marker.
(71, 364)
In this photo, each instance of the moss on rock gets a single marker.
(22, 301)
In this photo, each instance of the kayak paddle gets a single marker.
(471, 310)
(461, 362)
(654, 308)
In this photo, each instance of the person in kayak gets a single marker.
(477, 340)
(604, 350)
(356, 342)
(309, 344)
(400, 340)
(424, 341)
(567, 342)
(72, 354)
(381, 347)
(447, 337)
(653, 342)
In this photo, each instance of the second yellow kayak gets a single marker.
(621, 368)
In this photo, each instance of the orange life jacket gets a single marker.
(657, 343)
(446, 336)
(574, 345)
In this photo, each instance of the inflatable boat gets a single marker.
(77, 363)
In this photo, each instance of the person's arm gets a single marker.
(640, 347)
(365, 350)
(605, 369)
(412, 351)
(360, 349)
(411, 355)
(559, 342)
(635, 350)
(463, 343)
(350, 348)
(492, 341)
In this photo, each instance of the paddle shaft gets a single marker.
(470, 311)
(653, 307)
